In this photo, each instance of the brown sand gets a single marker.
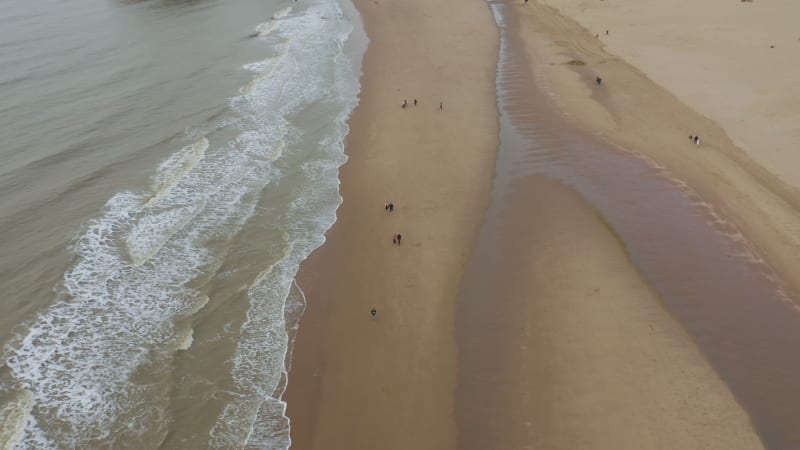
(568, 348)
(388, 383)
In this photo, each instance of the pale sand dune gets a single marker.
(634, 112)
(715, 56)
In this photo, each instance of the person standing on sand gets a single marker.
(386, 207)
(394, 238)
(415, 102)
(405, 104)
(391, 207)
(399, 236)
(373, 312)
(441, 106)
(697, 140)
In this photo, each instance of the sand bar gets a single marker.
(564, 346)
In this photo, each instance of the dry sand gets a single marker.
(388, 383)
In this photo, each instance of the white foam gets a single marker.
(151, 231)
(14, 415)
(265, 28)
(260, 361)
(177, 166)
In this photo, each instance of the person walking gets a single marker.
(399, 236)
(394, 238)
(386, 207)
(415, 102)
(391, 207)
(374, 313)
(441, 106)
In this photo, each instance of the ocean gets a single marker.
(167, 165)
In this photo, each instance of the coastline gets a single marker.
(355, 381)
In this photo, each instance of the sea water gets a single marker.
(167, 166)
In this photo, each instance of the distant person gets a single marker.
(598, 80)
(373, 312)
(386, 207)
(394, 238)
(415, 102)
(405, 104)
(697, 140)
(606, 32)
(441, 106)
(399, 236)
(391, 207)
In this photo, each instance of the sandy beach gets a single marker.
(389, 383)
(583, 354)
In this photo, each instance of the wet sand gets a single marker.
(362, 384)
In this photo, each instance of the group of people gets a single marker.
(695, 139)
(388, 208)
(404, 105)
